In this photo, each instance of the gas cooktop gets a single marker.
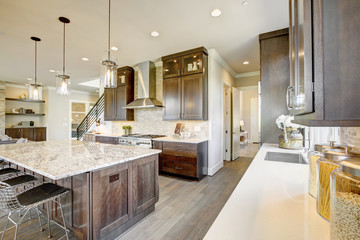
(148, 136)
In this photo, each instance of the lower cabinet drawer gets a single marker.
(181, 168)
(180, 156)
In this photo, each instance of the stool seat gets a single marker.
(20, 180)
(40, 193)
(8, 170)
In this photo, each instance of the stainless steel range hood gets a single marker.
(146, 89)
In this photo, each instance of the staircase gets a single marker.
(91, 118)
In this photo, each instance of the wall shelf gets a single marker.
(24, 100)
(25, 114)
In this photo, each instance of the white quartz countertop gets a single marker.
(58, 159)
(184, 140)
(271, 202)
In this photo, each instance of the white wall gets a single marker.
(58, 111)
(219, 73)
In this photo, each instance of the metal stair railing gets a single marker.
(91, 117)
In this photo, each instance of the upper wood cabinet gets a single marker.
(333, 38)
(117, 98)
(185, 86)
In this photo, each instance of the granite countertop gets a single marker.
(104, 134)
(271, 202)
(58, 159)
(184, 140)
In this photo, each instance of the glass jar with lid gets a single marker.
(313, 158)
(345, 200)
(327, 164)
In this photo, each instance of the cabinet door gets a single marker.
(27, 133)
(109, 102)
(301, 73)
(172, 67)
(13, 132)
(172, 98)
(192, 97)
(39, 134)
(159, 145)
(192, 63)
(120, 103)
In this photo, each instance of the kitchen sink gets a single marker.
(285, 157)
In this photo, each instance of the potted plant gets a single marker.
(290, 136)
(127, 130)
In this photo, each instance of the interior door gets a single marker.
(235, 123)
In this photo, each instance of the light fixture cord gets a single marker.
(35, 60)
(109, 33)
(64, 52)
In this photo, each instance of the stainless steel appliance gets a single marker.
(141, 140)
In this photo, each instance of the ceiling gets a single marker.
(182, 25)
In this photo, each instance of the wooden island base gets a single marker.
(103, 204)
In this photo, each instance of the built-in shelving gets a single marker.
(26, 114)
(24, 100)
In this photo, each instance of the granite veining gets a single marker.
(58, 159)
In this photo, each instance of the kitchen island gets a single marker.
(271, 202)
(113, 186)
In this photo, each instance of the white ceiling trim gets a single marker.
(212, 52)
(15, 85)
(248, 74)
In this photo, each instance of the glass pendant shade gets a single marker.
(35, 92)
(109, 74)
(63, 85)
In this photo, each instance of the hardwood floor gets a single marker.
(186, 209)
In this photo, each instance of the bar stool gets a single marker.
(29, 199)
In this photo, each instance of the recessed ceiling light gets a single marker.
(85, 59)
(216, 12)
(245, 3)
(29, 79)
(51, 70)
(155, 34)
(114, 48)
(246, 62)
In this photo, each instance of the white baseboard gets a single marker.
(217, 167)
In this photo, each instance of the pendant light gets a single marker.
(63, 80)
(35, 89)
(109, 68)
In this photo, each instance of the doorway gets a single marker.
(227, 122)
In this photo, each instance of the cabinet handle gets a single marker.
(289, 89)
(178, 168)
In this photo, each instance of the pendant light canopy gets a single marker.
(35, 89)
(109, 68)
(63, 80)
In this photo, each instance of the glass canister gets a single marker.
(345, 200)
(314, 156)
(325, 165)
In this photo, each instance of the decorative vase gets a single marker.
(293, 140)
(195, 66)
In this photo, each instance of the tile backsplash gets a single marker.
(351, 136)
(150, 121)
(2, 108)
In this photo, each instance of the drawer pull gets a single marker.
(178, 168)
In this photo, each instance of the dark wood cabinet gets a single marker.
(193, 102)
(117, 98)
(172, 98)
(32, 134)
(183, 159)
(185, 90)
(335, 40)
(274, 65)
